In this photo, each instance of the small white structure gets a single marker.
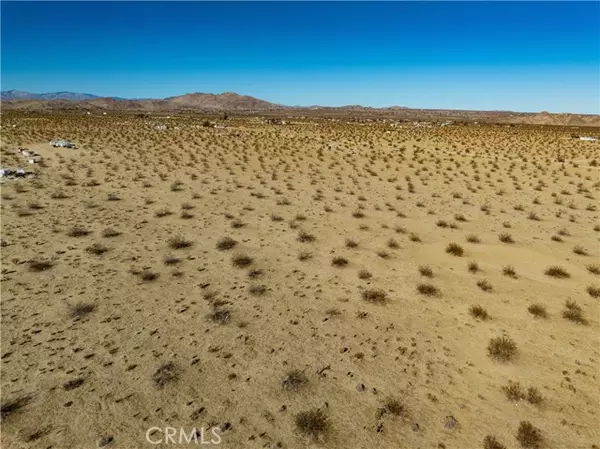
(62, 144)
(588, 139)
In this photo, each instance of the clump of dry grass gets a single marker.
(78, 231)
(455, 249)
(513, 391)
(593, 268)
(580, 250)
(529, 436)
(149, 276)
(339, 262)
(242, 261)
(220, 317)
(573, 312)
(258, 290)
(294, 380)
(305, 237)
(313, 424)
(479, 312)
(375, 296)
(81, 309)
(473, 267)
(40, 265)
(226, 243)
(165, 374)
(490, 442)
(537, 311)
(179, 242)
(305, 255)
(351, 243)
(110, 232)
(394, 407)
(593, 291)
(505, 237)
(502, 348)
(428, 289)
(472, 238)
(11, 406)
(97, 249)
(509, 271)
(425, 270)
(485, 285)
(556, 271)
(364, 274)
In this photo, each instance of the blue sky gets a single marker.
(521, 56)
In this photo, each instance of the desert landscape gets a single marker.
(311, 281)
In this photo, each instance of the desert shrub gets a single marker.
(40, 265)
(428, 289)
(479, 312)
(528, 435)
(294, 380)
(580, 250)
(557, 272)
(258, 290)
(220, 316)
(97, 249)
(537, 311)
(473, 267)
(364, 274)
(78, 231)
(484, 285)
(593, 291)
(109, 233)
(339, 262)
(149, 276)
(374, 296)
(305, 255)
(313, 424)
(490, 442)
(505, 237)
(179, 242)
(226, 243)
(242, 261)
(81, 309)
(455, 249)
(472, 238)
(351, 243)
(509, 271)
(513, 391)
(394, 407)
(534, 396)
(165, 374)
(305, 237)
(502, 348)
(393, 244)
(573, 313)
(594, 268)
(426, 271)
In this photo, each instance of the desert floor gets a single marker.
(408, 287)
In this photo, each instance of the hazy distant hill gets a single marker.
(22, 95)
(229, 101)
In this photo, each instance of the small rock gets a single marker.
(450, 422)
(360, 388)
(104, 441)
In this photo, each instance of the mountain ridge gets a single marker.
(231, 101)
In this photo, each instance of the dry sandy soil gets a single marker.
(408, 287)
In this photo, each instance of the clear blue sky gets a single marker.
(517, 56)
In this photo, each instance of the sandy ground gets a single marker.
(89, 317)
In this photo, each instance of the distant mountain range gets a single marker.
(229, 101)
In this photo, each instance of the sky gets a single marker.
(519, 56)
